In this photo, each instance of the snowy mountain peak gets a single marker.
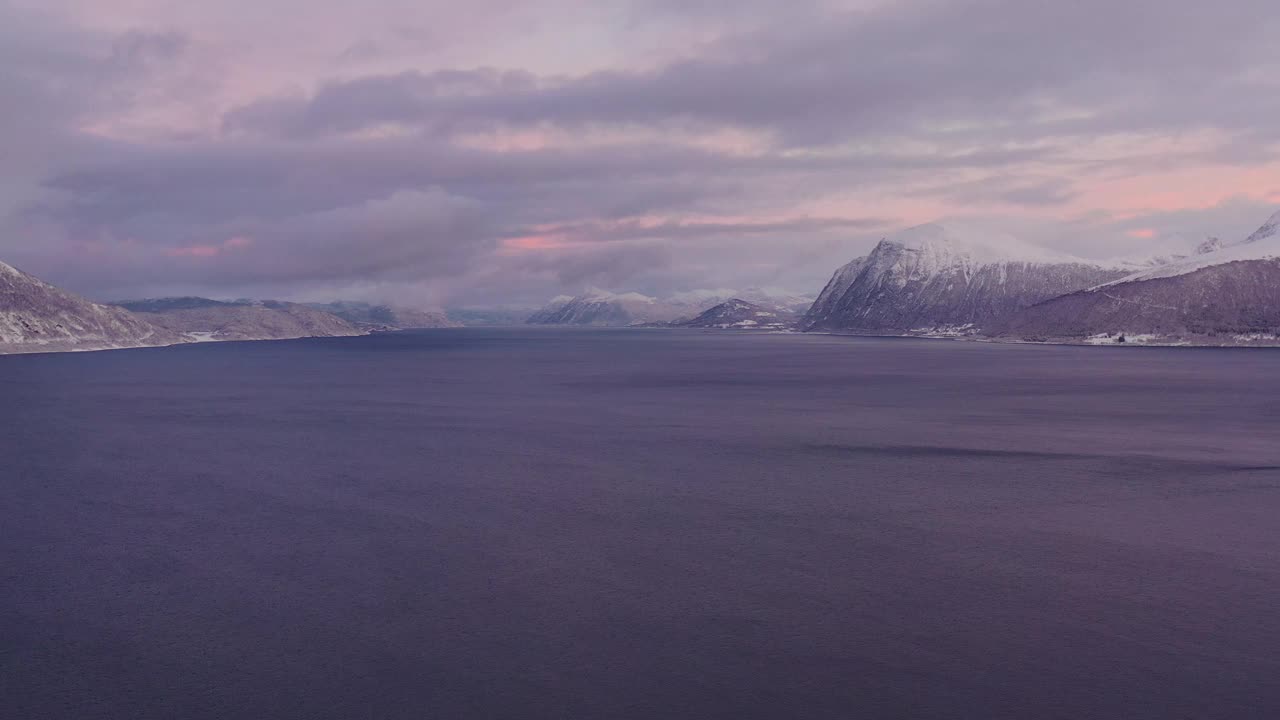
(946, 278)
(593, 293)
(740, 314)
(954, 243)
(1269, 229)
(596, 294)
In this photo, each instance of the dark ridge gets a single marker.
(155, 305)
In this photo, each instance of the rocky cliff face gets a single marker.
(938, 279)
(38, 317)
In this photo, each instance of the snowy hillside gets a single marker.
(604, 308)
(1264, 244)
(1226, 294)
(946, 279)
(38, 317)
(738, 314)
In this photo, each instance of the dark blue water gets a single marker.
(639, 524)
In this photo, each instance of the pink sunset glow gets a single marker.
(513, 151)
(207, 251)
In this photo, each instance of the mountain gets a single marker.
(385, 317)
(490, 316)
(593, 308)
(1146, 262)
(770, 298)
(206, 319)
(946, 279)
(1225, 294)
(741, 315)
(785, 303)
(38, 317)
(603, 308)
(606, 309)
(170, 304)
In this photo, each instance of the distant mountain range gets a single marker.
(205, 319)
(931, 280)
(496, 316)
(385, 317)
(605, 309)
(738, 314)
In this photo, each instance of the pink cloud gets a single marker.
(1144, 233)
(208, 251)
(203, 251)
(534, 242)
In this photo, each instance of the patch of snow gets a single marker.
(945, 331)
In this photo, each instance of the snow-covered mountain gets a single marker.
(1263, 244)
(781, 301)
(950, 279)
(599, 307)
(38, 317)
(603, 308)
(1141, 263)
(739, 314)
(241, 319)
(1225, 294)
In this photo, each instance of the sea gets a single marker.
(635, 523)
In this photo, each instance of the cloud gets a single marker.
(935, 69)
(502, 150)
(1013, 190)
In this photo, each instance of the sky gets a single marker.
(493, 152)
